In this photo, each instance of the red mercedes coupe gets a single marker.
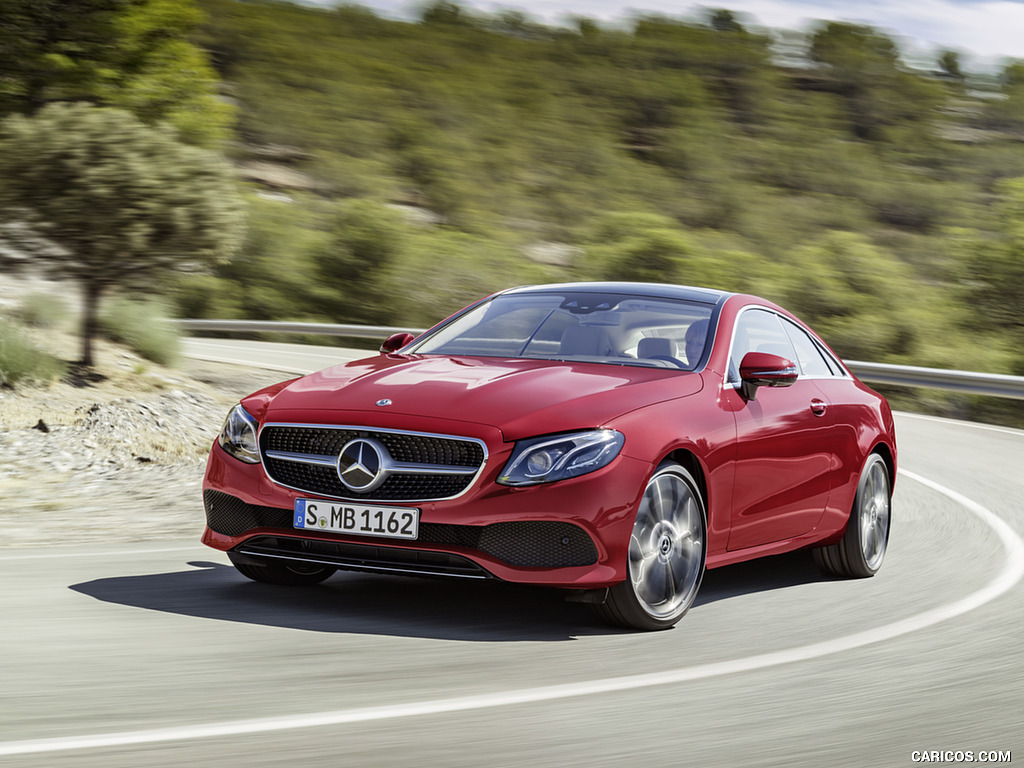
(610, 439)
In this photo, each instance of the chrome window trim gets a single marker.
(406, 468)
(792, 328)
(730, 384)
(833, 359)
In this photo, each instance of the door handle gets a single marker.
(818, 407)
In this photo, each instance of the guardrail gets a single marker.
(312, 329)
(965, 382)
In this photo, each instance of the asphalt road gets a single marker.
(160, 655)
(274, 356)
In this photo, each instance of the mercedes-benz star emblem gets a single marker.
(360, 464)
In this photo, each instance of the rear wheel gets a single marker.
(667, 549)
(860, 552)
(281, 571)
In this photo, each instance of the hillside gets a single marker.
(407, 168)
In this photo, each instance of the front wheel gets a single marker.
(289, 574)
(667, 549)
(860, 552)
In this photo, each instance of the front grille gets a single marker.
(313, 450)
(323, 481)
(403, 446)
(523, 544)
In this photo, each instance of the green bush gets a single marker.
(21, 361)
(43, 310)
(142, 325)
(205, 296)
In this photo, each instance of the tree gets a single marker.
(443, 12)
(364, 239)
(722, 20)
(860, 298)
(990, 288)
(648, 248)
(949, 66)
(133, 54)
(863, 67)
(53, 50)
(1007, 113)
(93, 195)
(993, 268)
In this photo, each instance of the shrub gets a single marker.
(43, 310)
(142, 325)
(21, 361)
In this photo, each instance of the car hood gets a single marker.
(519, 397)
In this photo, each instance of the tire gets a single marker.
(859, 554)
(667, 551)
(290, 574)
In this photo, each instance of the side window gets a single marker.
(811, 360)
(758, 330)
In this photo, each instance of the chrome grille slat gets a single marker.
(304, 458)
(432, 469)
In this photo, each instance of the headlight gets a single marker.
(238, 437)
(547, 459)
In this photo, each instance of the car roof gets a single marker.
(658, 290)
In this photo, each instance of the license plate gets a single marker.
(357, 519)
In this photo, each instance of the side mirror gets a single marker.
(395, 342)
(761, 369)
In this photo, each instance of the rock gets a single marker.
(41, 426)
(553, 254)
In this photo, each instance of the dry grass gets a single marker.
(123, 380)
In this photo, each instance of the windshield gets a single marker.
(612, 328)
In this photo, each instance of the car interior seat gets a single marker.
(656, 348)
(585, 340)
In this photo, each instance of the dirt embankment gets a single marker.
(115, 456)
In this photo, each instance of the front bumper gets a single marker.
(573, 533)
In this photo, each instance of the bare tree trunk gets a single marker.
(90, 318)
